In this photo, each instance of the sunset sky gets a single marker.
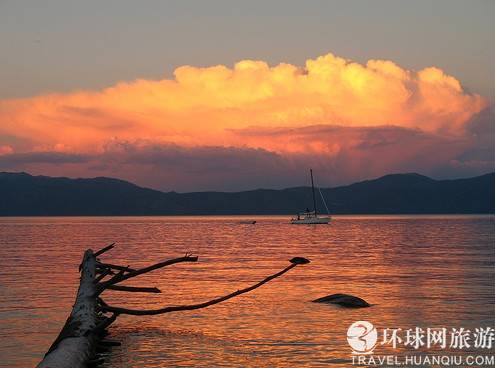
(230, 95)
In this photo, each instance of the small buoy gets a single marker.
(345, 300)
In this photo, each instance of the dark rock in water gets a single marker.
(345, 300)
(299, 260)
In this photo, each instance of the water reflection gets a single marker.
(417, 270)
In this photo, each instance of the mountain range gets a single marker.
(22, 194)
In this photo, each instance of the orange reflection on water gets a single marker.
(417, 271)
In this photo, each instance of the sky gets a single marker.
(231, 95)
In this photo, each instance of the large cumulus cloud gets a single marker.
(253, 125)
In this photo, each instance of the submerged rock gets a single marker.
(345, 300)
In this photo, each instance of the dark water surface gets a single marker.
(427, 271)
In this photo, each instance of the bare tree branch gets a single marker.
(102, 275)
(101, 302)
(115, 267)
(100, 270)
(134, 289)
(104, 324)
(103, 250)
(115, 277)
(121, 277)
(142, 312)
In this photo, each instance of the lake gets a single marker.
(426, 271)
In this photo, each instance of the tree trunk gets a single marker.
(76, 344)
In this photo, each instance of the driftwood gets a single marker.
(82, 337)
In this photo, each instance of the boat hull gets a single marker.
(311, 221)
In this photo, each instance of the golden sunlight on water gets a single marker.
(427, 271)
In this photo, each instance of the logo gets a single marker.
(362, 337)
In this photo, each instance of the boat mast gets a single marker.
(313, 189)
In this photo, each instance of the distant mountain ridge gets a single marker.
(22, 194)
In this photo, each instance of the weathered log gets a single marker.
(75, 346)
(81, 338)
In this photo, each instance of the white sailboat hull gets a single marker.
(311, 221)
(311, 217)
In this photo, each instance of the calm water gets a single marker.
(428, 271)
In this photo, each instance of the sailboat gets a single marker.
(312, 217)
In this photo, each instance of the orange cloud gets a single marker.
(202, 105)
(279, 109)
